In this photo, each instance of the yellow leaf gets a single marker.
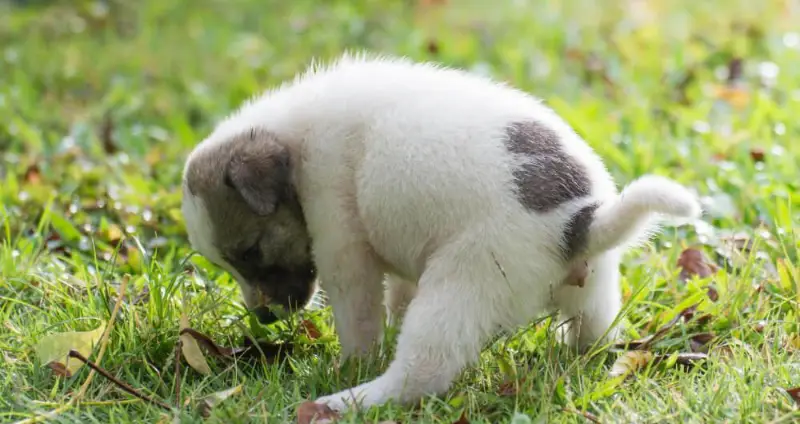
(735, 96)
(208, 403)
(630, 362)
(191, 351)
(54, 348)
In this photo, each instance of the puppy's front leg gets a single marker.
(352, 277)
(443, 331)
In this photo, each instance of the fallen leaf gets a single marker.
(265, 349)
(207, 403)
(713, 295)
(690, 359)
(793, 342)
(311, 412)
(114, 234)
(795, 394)
(757, 154)
(699, 342)
(694, 262)
(630, 362)
(190, 349)
(737, 97)
(59, 369)
(208, 344)
(311, 330)
(433, 47)
(510, 387)
(462, 419)
(53, 349)
(735, 70)
(107, 135)
(646, 342)
(33, 175)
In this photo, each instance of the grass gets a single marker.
(101, 102)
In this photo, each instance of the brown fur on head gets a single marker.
(243, 214)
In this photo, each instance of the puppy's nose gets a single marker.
(265, 315)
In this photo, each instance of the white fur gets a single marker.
(402, 171)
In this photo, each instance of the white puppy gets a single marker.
(476, 203)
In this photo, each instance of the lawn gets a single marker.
(102, 100)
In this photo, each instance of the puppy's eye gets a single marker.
(251, 254)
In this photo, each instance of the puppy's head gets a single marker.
(242, 213)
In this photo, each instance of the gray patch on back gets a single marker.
(546, 176)
(576, 232)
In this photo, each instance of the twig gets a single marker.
(121, 384)
(178, 347)
(643, 344)
(585, 414)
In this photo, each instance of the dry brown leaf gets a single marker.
(311, 330)
(630, 362)
(433, 47)
(209, 345)
(690, 359)
(757, 154)
(795, 394)
(107, 135)
(190, 349)
(694, 262)
(33, 175)
(59, 369)
(646, 342)
(510, 387)
(462, 419)
(207, 403)
(270, 351)
(699, 342)
(311, 412)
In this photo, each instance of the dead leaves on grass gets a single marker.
(53, 350)
(795, 394)
(694, 262)
(207, 403)
(191, 351)
(311, 412)
(630, 362)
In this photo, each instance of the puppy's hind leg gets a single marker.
(592, 308)
(444, 329)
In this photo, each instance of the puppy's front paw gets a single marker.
(360, 397)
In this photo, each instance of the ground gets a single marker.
(101, 102)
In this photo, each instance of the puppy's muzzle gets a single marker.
(282, 290)
(265, 315)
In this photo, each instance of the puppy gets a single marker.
(476, 203)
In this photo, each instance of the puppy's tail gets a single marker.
(627, 218)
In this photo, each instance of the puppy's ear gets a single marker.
(259, 171)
